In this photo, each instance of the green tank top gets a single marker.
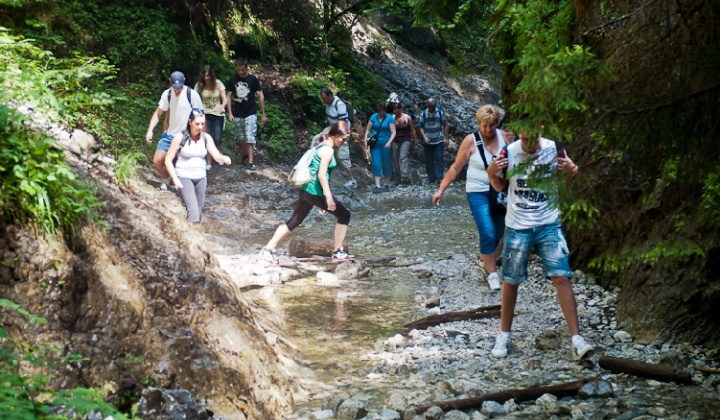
(313, 187)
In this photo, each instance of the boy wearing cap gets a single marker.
(177, 101)
(243, 110)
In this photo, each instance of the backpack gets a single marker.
(301, 174)
(188, 95)
(350, 111)
(439, 110)
(186, 140)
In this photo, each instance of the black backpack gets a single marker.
(188, 90)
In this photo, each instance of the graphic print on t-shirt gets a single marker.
(242, 91)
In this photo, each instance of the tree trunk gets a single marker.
(307, 247)
(645, 370)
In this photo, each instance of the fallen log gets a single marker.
(307, 247)
(519, 395)
(707, 370)
(432, 320)
(645, 370)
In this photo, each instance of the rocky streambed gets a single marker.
(340, 323)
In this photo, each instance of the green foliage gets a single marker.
(710, 203)
(38, 187)
(24, 373)
(277, 134)
(670, 252)
(306, 93)
(127, 166)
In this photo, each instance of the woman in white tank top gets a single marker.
(490, 225)
(189, 172)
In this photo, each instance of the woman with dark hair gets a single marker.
(212, 92)
(405, 133)
(381, 152)
(317, 193)
(188, 173)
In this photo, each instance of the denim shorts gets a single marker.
(164, 142)
(551, 246)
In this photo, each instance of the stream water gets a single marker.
(337, 327)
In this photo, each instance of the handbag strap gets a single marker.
(481, 149)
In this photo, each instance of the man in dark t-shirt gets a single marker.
(243, 110)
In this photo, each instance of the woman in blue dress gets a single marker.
(383, 123)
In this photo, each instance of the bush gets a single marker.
(277, 135)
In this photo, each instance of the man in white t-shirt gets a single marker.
(177, 101)
(533, 221)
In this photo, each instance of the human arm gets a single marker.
(413, 133)
(392, 135)
(214, 152)
(228, 105)
(170, 156)
(566, 166)
(367, 129)
(261, 98)
(467, 147)
(153, 122)
(326, 155)
(446, 134)
(223, 99)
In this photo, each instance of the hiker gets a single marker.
(384, 124)
(533, 221)
(317, 193)
(434, 133)
(243, 111)
(177, 101)
(336, 109)
(477, 151)
(188, 173)
(212, 92)
(404, 133)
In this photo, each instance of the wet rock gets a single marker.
(492, 409)
(548, 340)
(456, 415)
(352, 410)
(352, 270)
(327, 279)
(433, 413)
(622, 336)
(331, 402)
(322, 415)
(597, 389)
(548, 402)
(388, 414)
(164, 404)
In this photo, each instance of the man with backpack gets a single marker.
(177, 101)
(336, 109)
(434, 132)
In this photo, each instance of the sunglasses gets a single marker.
(197, 113)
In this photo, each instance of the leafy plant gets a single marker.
(127, 166)
(277, 134)
(24, 374)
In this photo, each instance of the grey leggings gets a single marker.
(193, 195)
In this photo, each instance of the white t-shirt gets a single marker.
(191, 159)
(179, 108)
(477, 178)
(528, 208)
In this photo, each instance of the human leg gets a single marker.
(438, 158)
(429, 152)
(386, 156)
(187, 193)
(376, 155)
(480, 210)
(215, 129)
(200, 188)
(395, 158)
(404, 161)
(250, 138)
(159, 163)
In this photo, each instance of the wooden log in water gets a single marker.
(519, 395)
(307, 247)
(645, 370)
(492, 311)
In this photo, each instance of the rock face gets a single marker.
(145, 284)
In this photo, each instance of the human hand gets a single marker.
(226, 160)
(177, 183)
(330, 203)
(497, 165)
(148, 136)
(426, 140)
(566, 166)
(263, 120)
(231, 117)
(388, 145)
(436, 198)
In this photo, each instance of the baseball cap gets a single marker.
(177, 79)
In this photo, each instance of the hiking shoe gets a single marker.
(351, 183)
(377, 189)
(208, 167)
(269, 256)
(244, 160)
(493, 280)
(501, 344)
(580, 348)
(252, 167)
(341, 255)
(164, 184)
(387, 187)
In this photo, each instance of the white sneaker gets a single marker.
(580, 348)
(493, 280)
(501, 344)
(351, 183)
(208, 167)
(164, 184)
(270, 256)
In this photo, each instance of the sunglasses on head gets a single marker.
(197, 113)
